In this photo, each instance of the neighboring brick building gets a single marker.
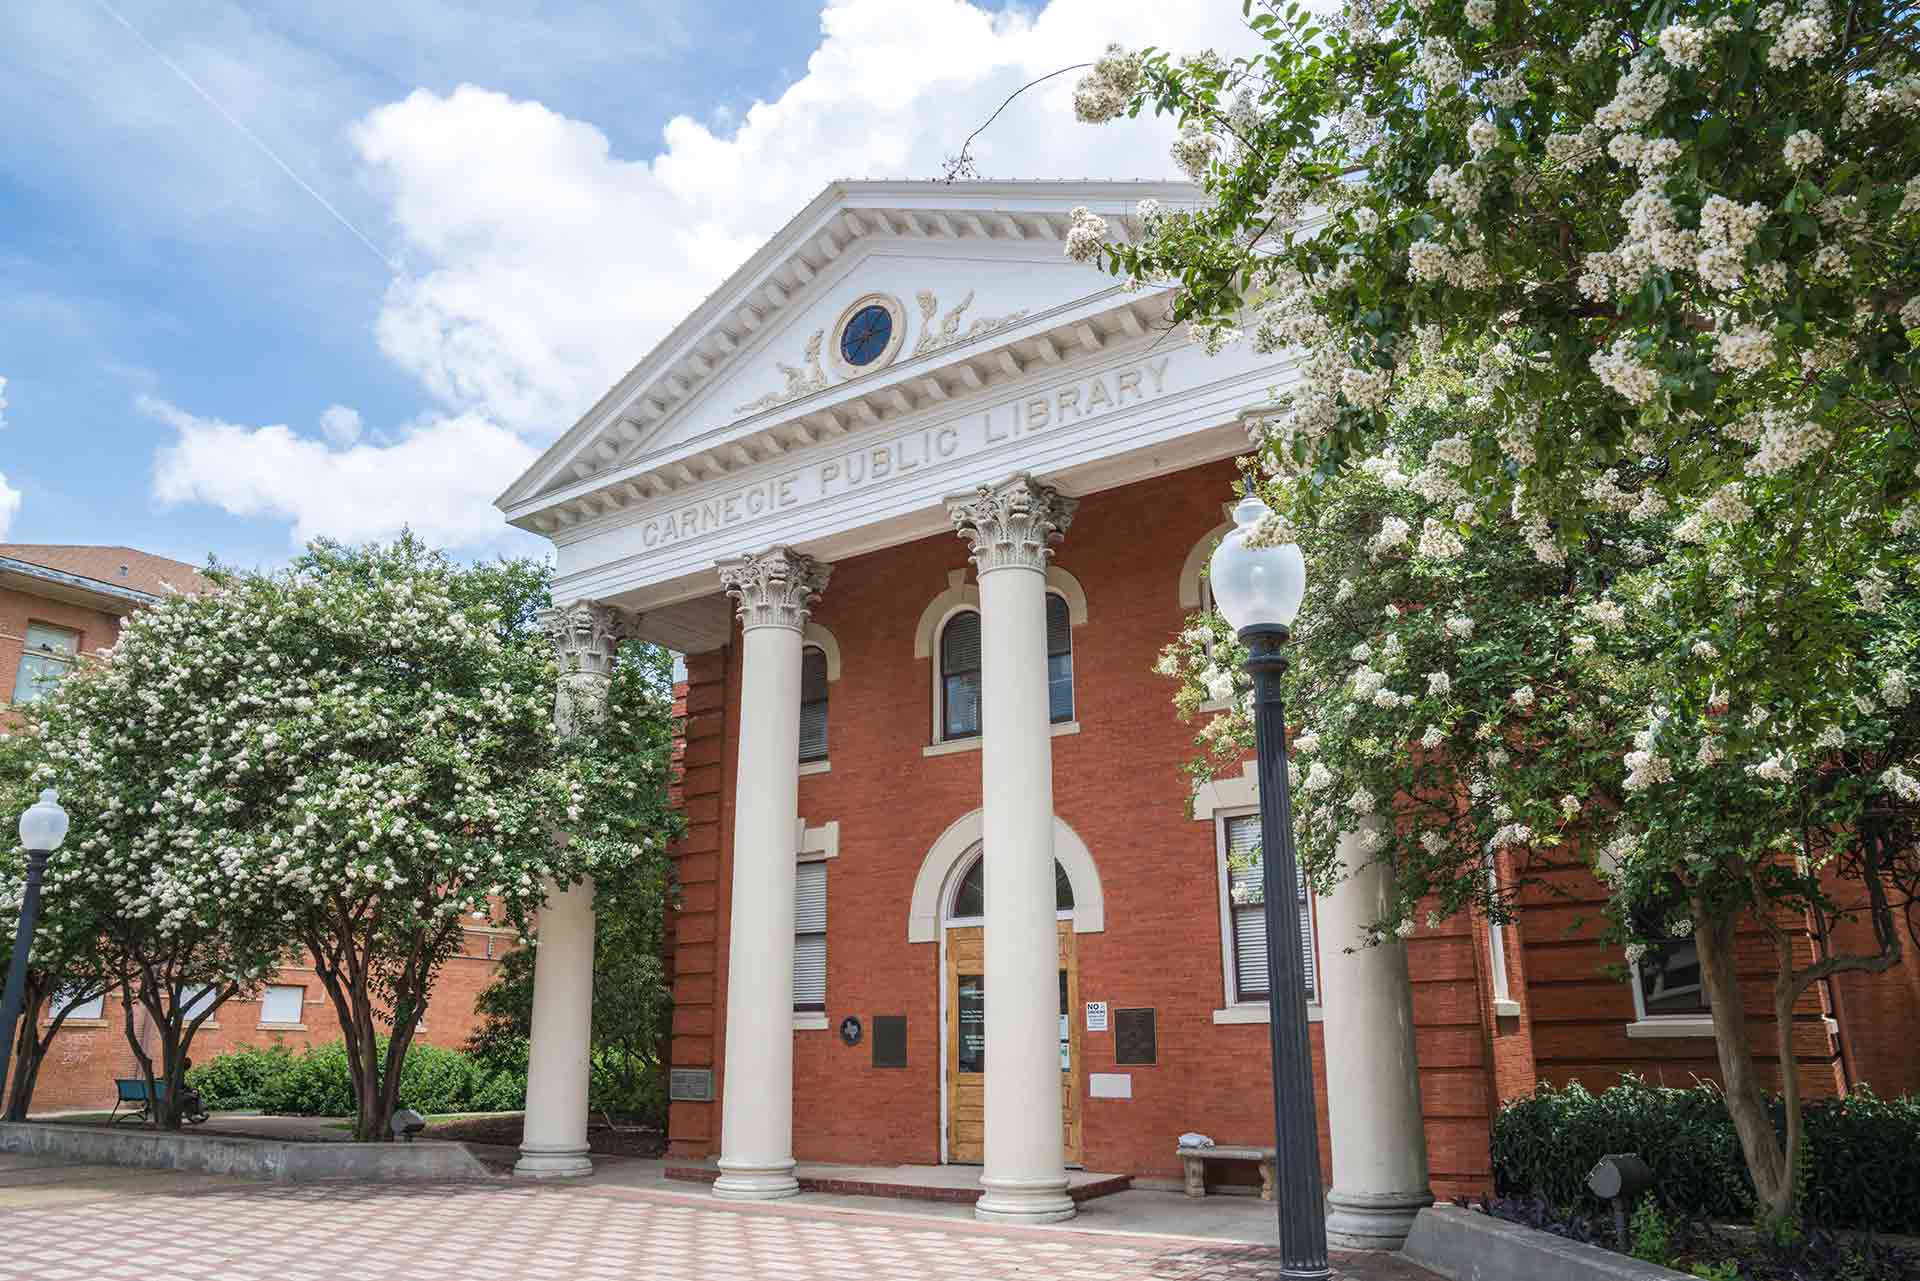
(58, 605)
(895, 707)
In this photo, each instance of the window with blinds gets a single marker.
(1248, 914)
(1059, 660)
(813, 704)
(810, 937)
(960, 676)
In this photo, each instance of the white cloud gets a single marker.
(340, 424)
(437, 477)
(542, 265)
(546, 265)
(9, 504)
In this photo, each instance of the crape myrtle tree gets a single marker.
(356, 755)
(1690, 232)
(67, 967)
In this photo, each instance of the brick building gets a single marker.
(947, 894)
(59, 604)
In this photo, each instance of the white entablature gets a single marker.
(748, 426)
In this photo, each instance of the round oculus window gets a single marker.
(867, 333)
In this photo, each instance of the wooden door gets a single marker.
(966, 1045)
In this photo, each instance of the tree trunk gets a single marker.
(30, 1049)
(1745, 1096)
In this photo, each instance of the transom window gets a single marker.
(49, 655)
(1247, 914)
(970, 901)
(813, 704)
(960, 669)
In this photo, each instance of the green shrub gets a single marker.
(316, 1082)
(1863, 1152)
(237, 1081)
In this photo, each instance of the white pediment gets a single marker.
(937, 300)
(964, 268)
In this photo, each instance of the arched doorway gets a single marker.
(964, 1003)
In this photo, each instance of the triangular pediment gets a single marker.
(875, 297)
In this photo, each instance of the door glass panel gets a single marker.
(973, 1024)
(1066, 1027)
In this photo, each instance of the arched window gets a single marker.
(813, 704)
(960, 676)
(969, 897)
(1059, 659)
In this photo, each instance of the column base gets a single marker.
(1372, 1220)
(1024, 1201)
(745, 1181)
(552, 1163)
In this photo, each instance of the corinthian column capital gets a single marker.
(585, 635)
(774, 588)
(1012, 525)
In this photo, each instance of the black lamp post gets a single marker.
(42, 828)
(1258, 591)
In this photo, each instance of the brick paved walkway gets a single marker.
(515, 1232)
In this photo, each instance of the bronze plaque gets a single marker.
(889, 1040)
(1133, 1037)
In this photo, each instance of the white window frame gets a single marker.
(68, 661)
(1647, 1026)
(1257, 1009)
(1504, 1006)
(941, 746)
(940, 736)
(299, 1021)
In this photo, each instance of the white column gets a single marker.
(775, 591)
(1373, 1095)
(553, 1143)
(1011, 528)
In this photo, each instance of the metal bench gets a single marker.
(1194, 1162)
(133, 1095)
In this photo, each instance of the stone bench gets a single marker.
(1194, 1161)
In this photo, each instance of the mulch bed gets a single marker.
(504, 1131)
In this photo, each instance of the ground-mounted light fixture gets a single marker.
(406, 1123)
(1617, 1179)
(42, 828)
(1258, 590)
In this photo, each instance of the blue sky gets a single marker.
(199, 357)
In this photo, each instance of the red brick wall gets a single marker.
(1580, 1014)
(98, 629)
(85, 1059)
(1118, 783)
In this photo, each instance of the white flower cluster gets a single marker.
(1803, 150)
(1786, 441)
(1394, 532)
(1439, 65)
(1777, 768)
(1646, 768)
(1510, 836)
(1607, 614)
(1743, 349)
(1621, 370)
(1640, 93)
(1437, 542)
(1433, 737)
(1459, 626)
(1901, 784)
(1193, 149)
(1685, 45)
(1085, 235)
(1103, 93)
(1895, 688)
(1806, 37)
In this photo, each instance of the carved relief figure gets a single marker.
(947, 332)
(802, 379)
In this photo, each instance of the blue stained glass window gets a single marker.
(866, 335)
